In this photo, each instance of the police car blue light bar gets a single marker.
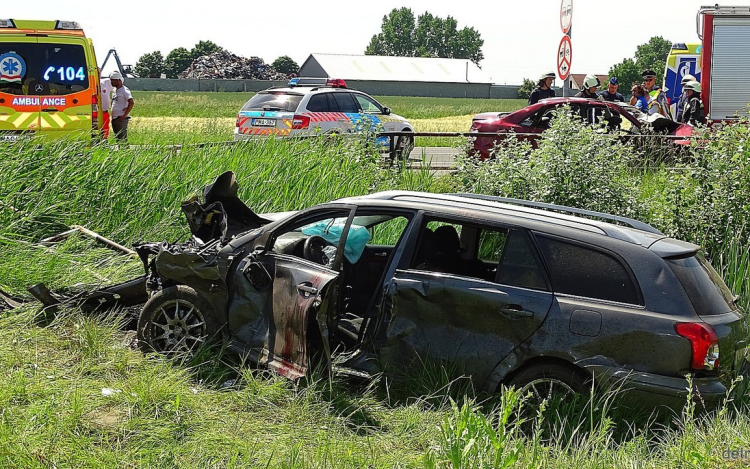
(317, 81)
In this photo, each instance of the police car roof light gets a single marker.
(336, 83)
(67, 25)
(7, 23)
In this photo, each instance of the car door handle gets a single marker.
(516, 310)
(306, 289)
(51, 109)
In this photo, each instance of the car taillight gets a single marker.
(300, 122)
(704, 342)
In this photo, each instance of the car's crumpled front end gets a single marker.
(213, 222)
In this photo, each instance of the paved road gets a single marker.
(439, 157)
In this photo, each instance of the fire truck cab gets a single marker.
(49, 82)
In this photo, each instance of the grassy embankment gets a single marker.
(75, 394)
(185, 117)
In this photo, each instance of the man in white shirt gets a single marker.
(106, 86)
(122, 104)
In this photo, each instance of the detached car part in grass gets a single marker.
(505, 291)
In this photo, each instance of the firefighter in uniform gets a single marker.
(683, 97)
(543, 89)
(590, 84)
(693, 112)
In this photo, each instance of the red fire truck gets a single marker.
(725, 60)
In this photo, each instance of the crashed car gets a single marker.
(528, 124)
(509, 292)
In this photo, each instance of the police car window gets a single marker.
(346, 102)
(42, 69)
(368, 104)
(318, 103)
(284, 102)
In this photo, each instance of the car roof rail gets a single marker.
(639, 225)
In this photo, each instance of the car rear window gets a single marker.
(273, 101)
(30, 68)
(581, 271)
(707, 291)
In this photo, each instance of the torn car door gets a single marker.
(300, 293)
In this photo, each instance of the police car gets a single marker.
(320, 106)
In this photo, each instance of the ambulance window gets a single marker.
(42, 68)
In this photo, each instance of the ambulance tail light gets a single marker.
(94, 112)
(7, 23)
(336, 83)
(67, 25)
(300, 122)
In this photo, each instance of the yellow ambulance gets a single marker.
(49, 82)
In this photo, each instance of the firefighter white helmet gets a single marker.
(591, 81)
(693, 85)
(686, 79)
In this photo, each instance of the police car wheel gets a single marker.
(404, 146)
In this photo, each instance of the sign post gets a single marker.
(565, 49)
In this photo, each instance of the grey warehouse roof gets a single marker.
(386, 68)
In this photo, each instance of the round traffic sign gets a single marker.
(566, 15)
(564, 57)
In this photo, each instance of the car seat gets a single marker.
(448, 250)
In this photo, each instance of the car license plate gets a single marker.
(9, 138)
(264, 122)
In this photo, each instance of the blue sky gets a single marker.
(521, 37)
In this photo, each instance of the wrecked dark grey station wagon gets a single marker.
(507, 291)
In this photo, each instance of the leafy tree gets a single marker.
(150, 65)
(285, 65)
(524, 91)
(204, 48)
(177, 61)
(427, 36)
(651, 55)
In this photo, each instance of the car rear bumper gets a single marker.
(652, 390)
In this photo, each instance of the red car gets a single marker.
(529, 123)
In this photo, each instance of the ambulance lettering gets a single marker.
(53, 102)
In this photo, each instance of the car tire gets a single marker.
(550, 381)
(404, 147)
(177, 320)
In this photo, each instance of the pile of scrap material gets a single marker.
(223, 64)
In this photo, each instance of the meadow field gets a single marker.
(189, 117)
(75, 392)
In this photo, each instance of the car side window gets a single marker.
(326, 229)
(318, 103)
(368, 104)
(582, 271)
(518, 265)
(346, 102)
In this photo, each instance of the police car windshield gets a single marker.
(42, 69)
(273, 101)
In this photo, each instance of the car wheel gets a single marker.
(404, 147)
(176, 321)
(551, 382)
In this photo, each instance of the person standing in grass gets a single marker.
(544, 88)
(106, 86)
(122, 104)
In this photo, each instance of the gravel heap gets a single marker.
(223, 64)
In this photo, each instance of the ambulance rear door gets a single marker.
(66, 97)
(19, 91)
